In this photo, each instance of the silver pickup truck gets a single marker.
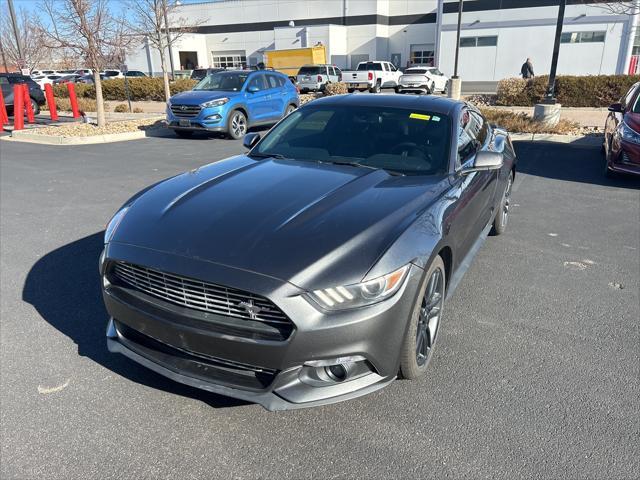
(372, 76)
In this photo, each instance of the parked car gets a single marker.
(42, 73)
(135, 74)
(315, 267)
(42, 81)
(315, 78)
(72, 78)
(200, 73)
(88, 79)
(621, 144)
(8, 80)
(83, 71)
(372, 76)
(231, 102)
(111, 74)
(423, 80)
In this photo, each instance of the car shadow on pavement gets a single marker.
(64, 287)
(569, 162)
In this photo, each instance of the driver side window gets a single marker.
(468, 144)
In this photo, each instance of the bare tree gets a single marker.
(149, 21)
(617, 7)
(30, 40)
(87, 28)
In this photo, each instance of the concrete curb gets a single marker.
(29, 137)
(584, 140)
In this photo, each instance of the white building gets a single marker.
(497, 35)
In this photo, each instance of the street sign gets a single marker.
(124, 68)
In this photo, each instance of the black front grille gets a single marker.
(202, 296)
(186, 111)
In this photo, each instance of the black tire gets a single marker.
(427, 312)
(445, 90)
(375, 88)
(290, 108)
(183, 133)
(502, 214)
(237, 125)
(351, 90)
(35, 106)
(362, 89)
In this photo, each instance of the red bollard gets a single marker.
(4, 118)
(18, 107)
(51, 101)
(31, 118)
(74, 101)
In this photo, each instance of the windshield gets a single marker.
(394, 139)
(227, 81)
(415, 71)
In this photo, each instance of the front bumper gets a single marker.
(626, 159)
(212, 119)
(270, 372)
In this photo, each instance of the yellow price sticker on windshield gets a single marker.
(420, 116)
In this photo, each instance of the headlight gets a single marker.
(628, 134)
(215, 103)
(360, 294)
(113, 224)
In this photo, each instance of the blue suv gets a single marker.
(231, 102)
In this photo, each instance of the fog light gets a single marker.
(339, 373)
(320, 373)
(214, 117)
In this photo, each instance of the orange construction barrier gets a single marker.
(4, 118)
(31, 118)
(51, 101)
(18, 107)
(72, 98)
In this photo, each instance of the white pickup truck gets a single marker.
(372, 76)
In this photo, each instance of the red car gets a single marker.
(621, 144)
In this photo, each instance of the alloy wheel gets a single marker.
(506, 201)
(429, 319)
(238, 125)
(290, 109)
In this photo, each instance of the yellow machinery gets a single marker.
(290, 60)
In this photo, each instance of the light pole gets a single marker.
(548, 112)
(456, 83)
(12, 14)
(551, 87)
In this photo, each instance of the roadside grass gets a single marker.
(520, 122)
(64, 105)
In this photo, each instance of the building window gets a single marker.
(582, 37)
(229, 61)
(490, 41)
(422, 57)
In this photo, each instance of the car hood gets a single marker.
(196, 97)
(306, 223)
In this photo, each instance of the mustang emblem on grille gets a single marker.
(251, 309)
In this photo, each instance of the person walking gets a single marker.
(527, 69)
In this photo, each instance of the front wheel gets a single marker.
(289, 109)
(502, 215)
(237, 125)
(417, 348)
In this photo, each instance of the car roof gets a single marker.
(444, 106)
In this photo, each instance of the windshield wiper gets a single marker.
(356, 164)
(267, 155)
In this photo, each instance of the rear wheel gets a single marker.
(445, 90)
(237, 125)
(35, 106)
(183, 133)
(422, 333)
(289, 109)
(375, 88)
(351, 90)
(502, 215)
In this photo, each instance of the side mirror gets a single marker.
(252, 89)
(615, 107)
(250, 139)
(485, 160)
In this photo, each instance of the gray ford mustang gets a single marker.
(315, 267)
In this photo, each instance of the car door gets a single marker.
(476, 190)
(7, 90)
(277, 96)
(258, 98)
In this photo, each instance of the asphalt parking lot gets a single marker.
(536, 373)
